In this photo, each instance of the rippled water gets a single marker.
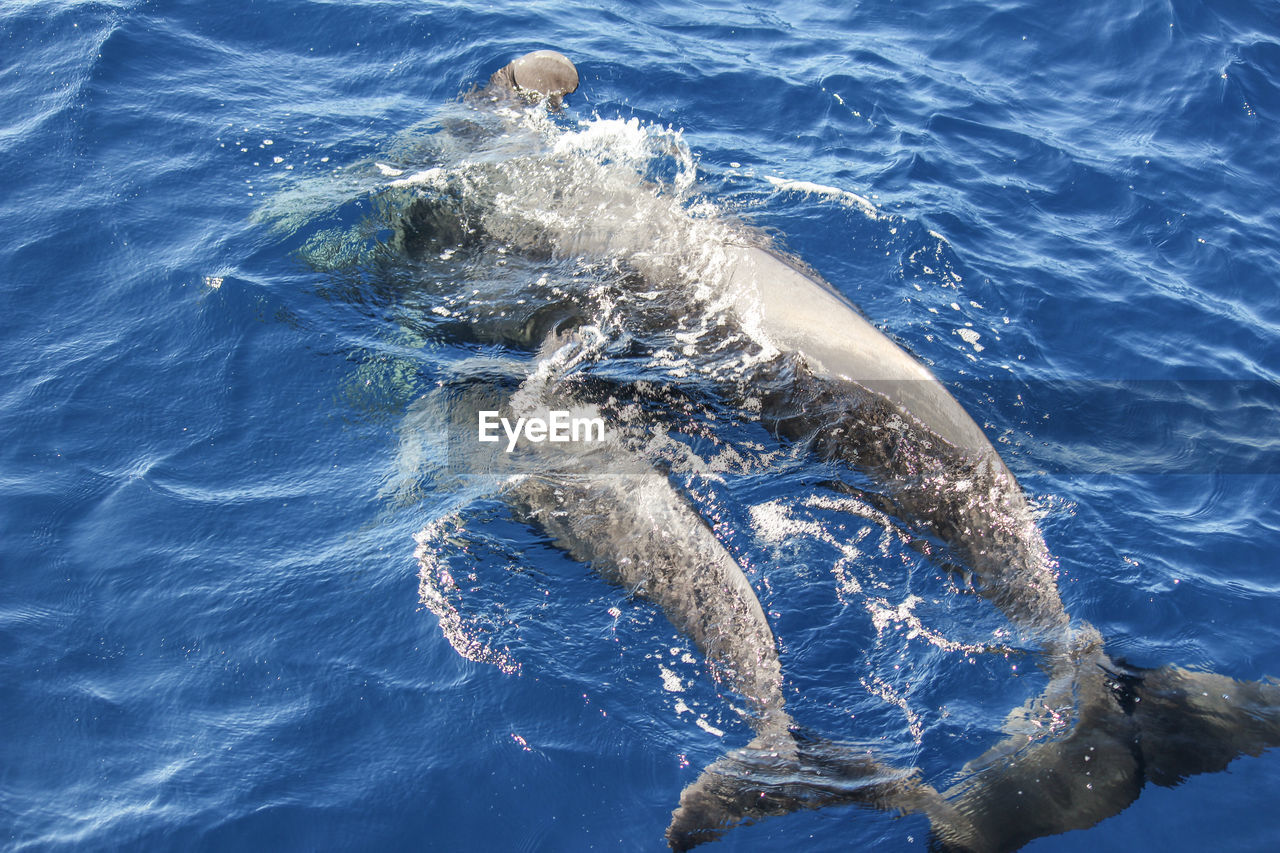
(225, 375)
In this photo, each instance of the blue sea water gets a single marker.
(212, 632)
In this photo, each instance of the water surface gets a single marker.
(212, 623)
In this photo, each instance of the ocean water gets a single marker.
(229, 516)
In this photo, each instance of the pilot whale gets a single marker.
(829, 380)
(606, 505)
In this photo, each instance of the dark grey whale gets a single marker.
(845, 390)
(607, 506)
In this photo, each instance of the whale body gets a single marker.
(606, 505)
(826, 378)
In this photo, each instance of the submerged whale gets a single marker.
(608, 506)
(825, 378)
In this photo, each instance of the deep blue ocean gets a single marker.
(221, 534)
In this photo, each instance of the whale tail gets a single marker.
(1124, 727)
(1111, 728)
(779, 774)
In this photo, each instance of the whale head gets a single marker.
(542, 73)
